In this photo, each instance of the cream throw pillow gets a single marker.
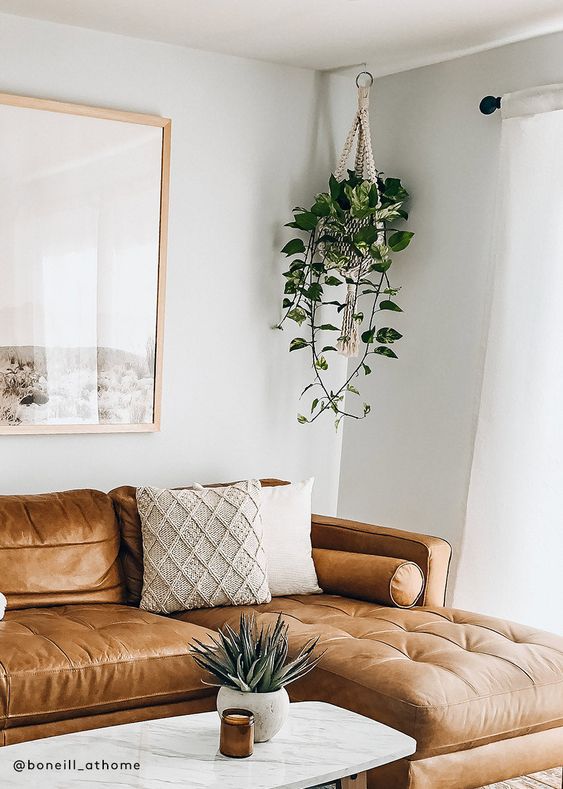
(286, 518)
(202, 547)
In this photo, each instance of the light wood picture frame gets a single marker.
(83, 243)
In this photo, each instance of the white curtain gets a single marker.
(511, 562)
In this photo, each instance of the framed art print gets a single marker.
(83, 226)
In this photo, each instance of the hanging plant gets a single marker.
(350, 235)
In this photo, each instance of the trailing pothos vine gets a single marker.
(341, 264)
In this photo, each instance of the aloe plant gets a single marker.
(253, 660)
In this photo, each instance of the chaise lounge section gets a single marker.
(482, 697)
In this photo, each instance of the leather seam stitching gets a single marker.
(54, 614)
(40, 546)
(484, 740)
(95, 665)
(491, 630)
(111, 701)
(438, 706)
(54, 643)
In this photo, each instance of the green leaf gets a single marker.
(400, 240)
(381, 267)
(391, 291)
(301, 419)
(314, 404)
(314, 291)
(367, 336)
(333, 281)
(380, 253)
(297, 314)
(305, 221)
(367, 370)
(297, 343)
(335, 187)
(359, 199)
(336, 257)
(366, 235)
(389, 305)
(328, 327)
(321, 363)
(287, 303)
(352, 389)
(387, 335)
(323, 205)
(393, 189)
(290, 287)
(383, 351)
(328, 348)
(293, 247)
(353, 178)
(367, 408)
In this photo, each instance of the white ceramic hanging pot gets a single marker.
(270, 710)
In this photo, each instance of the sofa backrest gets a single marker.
(131, 551)
(59, 548)
(131, 546)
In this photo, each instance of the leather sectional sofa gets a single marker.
(482, 697)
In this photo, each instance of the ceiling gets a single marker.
(390, 35)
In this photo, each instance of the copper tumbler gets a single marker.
(237, 733)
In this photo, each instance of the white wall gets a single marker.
(249, 141)
(408, 464)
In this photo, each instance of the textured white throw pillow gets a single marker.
(202, 547)
(286, 519)
(2, 605)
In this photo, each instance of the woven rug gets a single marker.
(550, 779)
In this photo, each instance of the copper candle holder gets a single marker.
(237, 733)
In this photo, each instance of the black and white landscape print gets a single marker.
(79, 263)
(76, 386)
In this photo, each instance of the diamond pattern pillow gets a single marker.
(202, 547)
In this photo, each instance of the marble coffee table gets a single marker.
(319, 744)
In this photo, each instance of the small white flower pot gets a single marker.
(270, 710)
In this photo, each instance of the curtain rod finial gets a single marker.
(489, 104)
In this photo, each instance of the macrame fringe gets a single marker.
(349, 344)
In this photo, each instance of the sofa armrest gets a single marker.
(432, 554)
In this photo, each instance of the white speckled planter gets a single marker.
(270, 710)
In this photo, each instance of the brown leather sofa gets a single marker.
(482, 697)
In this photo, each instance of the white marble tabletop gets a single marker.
(318, 744)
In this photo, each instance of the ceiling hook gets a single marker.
(367, 74)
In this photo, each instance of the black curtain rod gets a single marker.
(490, 104)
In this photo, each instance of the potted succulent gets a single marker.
(252, 670)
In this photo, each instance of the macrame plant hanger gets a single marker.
(364, 167)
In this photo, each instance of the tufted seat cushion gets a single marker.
(450, 679)
(70, 661)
